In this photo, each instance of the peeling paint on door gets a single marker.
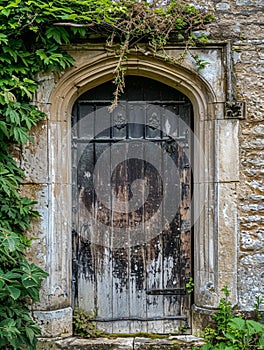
(132, 282)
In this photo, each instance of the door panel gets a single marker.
(131, 169)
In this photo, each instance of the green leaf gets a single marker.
(237, 323)
(206, 347)
(2, 283)
(14, 292)
(3, 37)
(254, 327)
(26, 91)
(12, 243)
(3, 128)
(59, 34)
(13, 115)
(29, 283)
(20, 134)
(42, 55)
(30, 333)
(261, 341)
(234, 337)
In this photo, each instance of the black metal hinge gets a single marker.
(167, 291)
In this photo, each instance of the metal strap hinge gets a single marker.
(166, 291)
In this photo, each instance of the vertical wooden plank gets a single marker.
(137, 278)
(86, 278)
(171, 235)
(185, 207)
(137, 289)
(85, 121)
(120, 289)
(75, 206)
(120, 255)
(83, 128)
(102, 122)
(86, 265)
(154, 251)
(154, 282)
(104, 299)
(103, 266)
(136, 128)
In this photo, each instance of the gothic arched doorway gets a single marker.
(132, 207)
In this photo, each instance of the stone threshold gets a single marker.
(179, 342)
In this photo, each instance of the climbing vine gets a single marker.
(33, 37)
(131, 23)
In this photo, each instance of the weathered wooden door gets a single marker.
(132, 207)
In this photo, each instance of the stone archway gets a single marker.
(93, 67)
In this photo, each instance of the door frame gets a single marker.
(83, 278)
(207, 93)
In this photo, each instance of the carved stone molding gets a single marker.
(235, 109)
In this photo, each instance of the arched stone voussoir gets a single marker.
(86, 75)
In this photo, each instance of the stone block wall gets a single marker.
(241, 23)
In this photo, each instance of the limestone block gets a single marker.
(159, 344)
(252, 240)
(46, 85)
(227, 228)
(206, 289)
(52, 248)
(74, 343)
(249, 2)
(204, 149)
(205, 259)
(39, 225)
(227, 167)
(203, 220)
(250, 87)
(38, 252)
(229, 280)
(55, 323)
(58, 292)
(59, 154)
(101, 344)
(214, 72)
(251, 279)
(222, 6)
(256, 143)
(34, 157)
(256, 185)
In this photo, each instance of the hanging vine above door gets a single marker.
(125, 24)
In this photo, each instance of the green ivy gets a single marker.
(33, 34)
(232, 332)
(19, 280)
(83, 326)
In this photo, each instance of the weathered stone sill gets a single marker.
(73, 343)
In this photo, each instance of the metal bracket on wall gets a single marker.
(235, 110)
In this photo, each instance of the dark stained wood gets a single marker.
(129, 283)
